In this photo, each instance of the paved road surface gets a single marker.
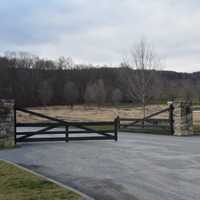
(138, 166)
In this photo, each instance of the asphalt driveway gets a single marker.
(138, 166)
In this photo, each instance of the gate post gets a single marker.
(183, 121)
(7, 123)
(117, 121)
(15, 122)
(66, 133)
(171, 117)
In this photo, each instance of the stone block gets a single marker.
(7, 124)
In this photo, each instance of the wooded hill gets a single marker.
(36, 82)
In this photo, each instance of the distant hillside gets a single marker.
(43, 82)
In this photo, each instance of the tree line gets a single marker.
(33, 81)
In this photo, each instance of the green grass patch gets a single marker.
(196, 107)
(196, 128)
(17, 184)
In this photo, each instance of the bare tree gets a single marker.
(100, 92)
(65, 63)
(71, 93)
(116, 96)
(143, 63)
(185, 89)
(45, 92)
(90, 93)
(21, 59)
(95, 93)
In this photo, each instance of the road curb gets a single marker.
(84, 196)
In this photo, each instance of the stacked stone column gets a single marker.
(7, 124)
(183, 121)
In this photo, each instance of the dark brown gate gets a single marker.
(61, 130)
(150, 124)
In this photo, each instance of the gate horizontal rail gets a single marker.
(36, 124)
(53, 139)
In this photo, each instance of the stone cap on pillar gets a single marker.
(5, 101)
(6, 105)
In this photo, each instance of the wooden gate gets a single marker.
(61, 130)
(150, 124)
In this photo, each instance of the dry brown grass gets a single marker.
(196, 117)
(89, 113)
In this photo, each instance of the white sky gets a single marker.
(103, 31)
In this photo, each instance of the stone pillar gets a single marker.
(183, 122)
(7, 124)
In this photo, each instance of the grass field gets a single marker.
(17, 184)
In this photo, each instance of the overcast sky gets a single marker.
(103, 31)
